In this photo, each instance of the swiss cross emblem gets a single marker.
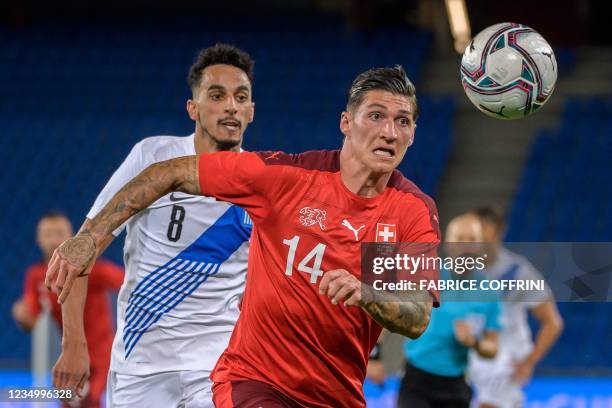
(386, 232)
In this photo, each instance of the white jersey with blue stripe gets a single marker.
(185, 261)
(515, 339)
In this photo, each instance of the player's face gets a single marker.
(380, 130)
(222, 106)
(465, 234)
(465, 228)
(490, 233)
(51, 232)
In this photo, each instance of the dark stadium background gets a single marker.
(82, 81)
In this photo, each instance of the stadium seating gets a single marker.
(73, 103)
(570, 167)
(565, 196)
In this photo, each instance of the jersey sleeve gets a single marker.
(420, 237)
(239, 178)
(493, 316)
(422, 224)
(532, 298)
(133, 164)
(30, 292)
(106, 276)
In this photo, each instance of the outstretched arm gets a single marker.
(76, 255)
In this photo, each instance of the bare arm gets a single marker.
(73, 307)
(551, 326)
(75, 256)
(408, 315)
(151, 184)
(398, 315)
(486, 346)
(72, 367)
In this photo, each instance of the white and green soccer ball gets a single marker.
(508, 71)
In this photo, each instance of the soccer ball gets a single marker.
(508, 71)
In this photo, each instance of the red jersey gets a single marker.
(288, 335)
(99, 332)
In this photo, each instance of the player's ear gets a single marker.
(344, 123)
(411, 139)
(192, 110)
(252, 112)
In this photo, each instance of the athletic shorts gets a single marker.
(493, 384)
(421, 389)
(250, 394)
(181, 389)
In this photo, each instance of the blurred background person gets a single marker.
(436, 362)
(53, 229)
(376, 370)
(377, 387)
(498, 382)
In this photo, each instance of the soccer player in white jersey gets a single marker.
(498, 382)
(185, 259)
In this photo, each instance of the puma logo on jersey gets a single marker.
(348, 225)
(311, 216)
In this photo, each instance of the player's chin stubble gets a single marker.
(222, 145)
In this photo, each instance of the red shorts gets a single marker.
(250, 394)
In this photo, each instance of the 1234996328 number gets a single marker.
(36, 394)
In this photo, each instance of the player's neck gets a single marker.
(359, 179)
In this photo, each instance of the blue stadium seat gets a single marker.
(565, 196)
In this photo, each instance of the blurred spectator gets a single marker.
(498, 382)
(53, 229)
(437, 361)
(376, 370)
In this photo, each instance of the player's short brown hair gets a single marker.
(219, 53)
(492, 214)
(393, 80)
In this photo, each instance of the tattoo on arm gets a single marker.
(397, 314)
(79, 250)
(159, 179)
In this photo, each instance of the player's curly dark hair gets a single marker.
(393, 80)
(219, 54)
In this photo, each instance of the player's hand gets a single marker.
(21, 314)
(376, 372)
(73, 258)
(463, 333)
(523, 371)
(71, 370)
(339, 285)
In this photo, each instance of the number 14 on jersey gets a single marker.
(315, 255)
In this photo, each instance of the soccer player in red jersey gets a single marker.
(307, 321)
(53, 229)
